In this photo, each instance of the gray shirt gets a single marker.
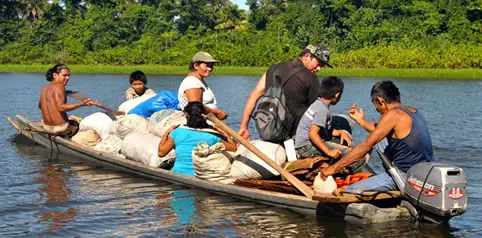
(317, 114)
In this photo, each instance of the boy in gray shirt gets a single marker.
(314, 131)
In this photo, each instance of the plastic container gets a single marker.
(327, 186)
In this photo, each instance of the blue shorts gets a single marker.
(379, 182)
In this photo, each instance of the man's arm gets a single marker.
(367, 125)
(314, 134)
(386, 124)
(253, 97)
(359, 117)
(59, 95)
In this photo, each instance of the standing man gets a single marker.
(301, 89)
(404, 127)
(53, 103)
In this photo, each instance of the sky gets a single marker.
(241, 4)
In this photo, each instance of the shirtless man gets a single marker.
(53, 103)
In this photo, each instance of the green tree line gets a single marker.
(359, 33)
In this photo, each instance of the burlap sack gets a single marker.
(212, 163)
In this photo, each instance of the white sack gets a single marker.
(130, 104)
(247, 165)
(99, 122)
(131, 123)
(88, 138)
(142, 147)
(162, 120)
(212, 163)
(111, 144)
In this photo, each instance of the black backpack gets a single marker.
(274, 121)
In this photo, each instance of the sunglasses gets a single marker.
(320, 63)
(210, 64)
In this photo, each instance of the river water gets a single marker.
(48, 194)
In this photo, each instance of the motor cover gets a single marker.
(438, 190)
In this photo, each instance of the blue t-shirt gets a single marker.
(185, 140)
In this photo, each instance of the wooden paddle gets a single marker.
(82, 97)
(292, 179)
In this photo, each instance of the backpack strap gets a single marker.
(292, 72)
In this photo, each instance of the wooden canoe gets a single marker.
(321, 205)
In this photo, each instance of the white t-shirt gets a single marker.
(192, 82)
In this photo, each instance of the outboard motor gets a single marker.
(438, 191)
(434, 192)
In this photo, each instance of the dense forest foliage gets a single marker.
(359, 33)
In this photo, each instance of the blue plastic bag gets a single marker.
(163, 100)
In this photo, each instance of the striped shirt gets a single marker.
(131, 93)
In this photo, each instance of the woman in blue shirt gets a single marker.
(185, 138)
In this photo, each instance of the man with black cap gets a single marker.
(301, 89)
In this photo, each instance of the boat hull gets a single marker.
(295, 203)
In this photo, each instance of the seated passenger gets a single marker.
(405, 129)
(53, 103)
(194, 88)
(315, 131)
(138, 82)
(184, 139)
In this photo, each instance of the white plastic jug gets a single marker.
(324, 186)
(290, 150)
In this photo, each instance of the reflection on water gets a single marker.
(44, 193)
(55, 180)
(58, 218)
(166, 213)
(183, 204)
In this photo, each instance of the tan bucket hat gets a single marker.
(203, 57)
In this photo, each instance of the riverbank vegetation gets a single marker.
(254, 71)
(366, 34)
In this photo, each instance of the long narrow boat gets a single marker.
(318, 205)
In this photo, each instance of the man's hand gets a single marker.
(118, 113)
(344, 136)
(90, 102)
(325, 172)
(244, 132)
(355, 114)
(334, 153)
